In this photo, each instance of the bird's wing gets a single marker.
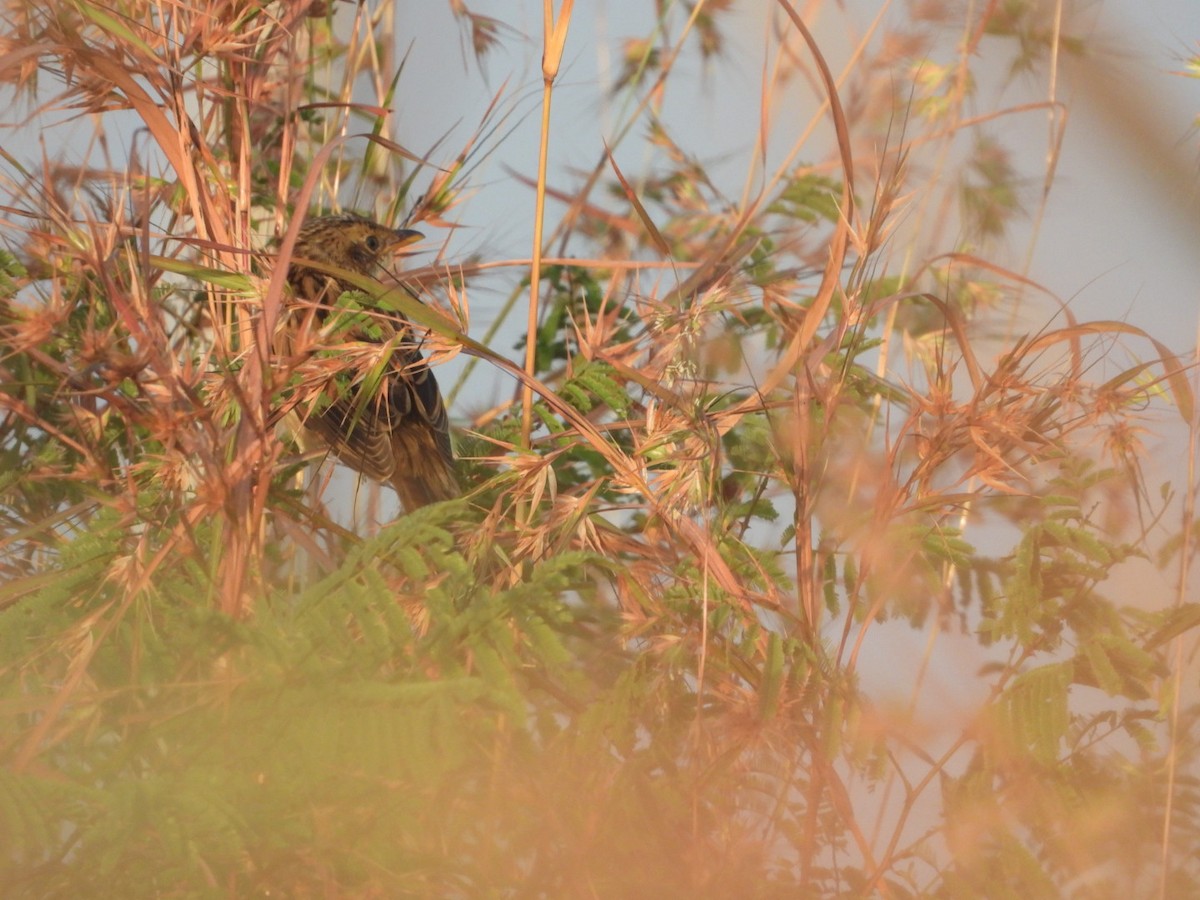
(396, 432)
(415, 395)
(357, 433)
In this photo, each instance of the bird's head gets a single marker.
(350, 241)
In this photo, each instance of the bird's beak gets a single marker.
(406, 236)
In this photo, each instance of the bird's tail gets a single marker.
(423, 473)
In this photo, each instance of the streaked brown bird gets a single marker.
(399, 433)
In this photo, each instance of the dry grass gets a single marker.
(640, 643)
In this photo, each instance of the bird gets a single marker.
(393, 429)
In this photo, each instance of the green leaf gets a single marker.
(771, 680)
(1035, 711)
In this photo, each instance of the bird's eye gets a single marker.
(372, 243)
